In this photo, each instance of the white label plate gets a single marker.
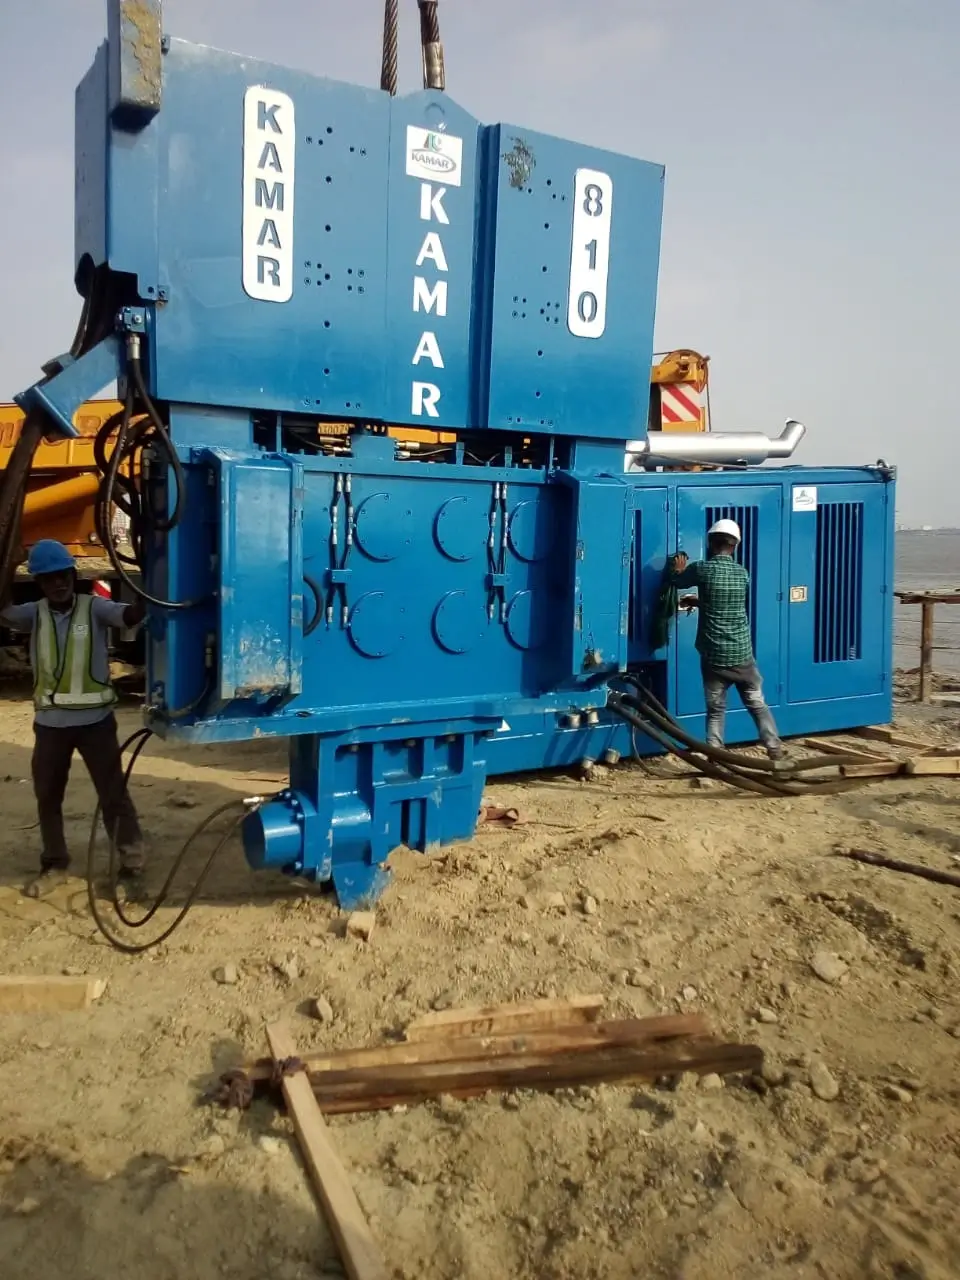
(269, 153)
(590, 253)
(434, 155)
(804, 497)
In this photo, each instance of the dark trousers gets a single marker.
(99, 749)
(749, 684)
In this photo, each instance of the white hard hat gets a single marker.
(728, 527)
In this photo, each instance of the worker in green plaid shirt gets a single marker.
(723, 634)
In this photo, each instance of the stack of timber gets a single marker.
(885, 757)
(544, 1044)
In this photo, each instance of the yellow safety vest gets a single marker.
(65, 680)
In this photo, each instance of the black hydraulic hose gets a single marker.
(726, 760)
(314, 622)
(826, 786)
(652, 708)
(123, 493)
(734, 775)
(140, 739)
(650, 705)
(692, 755)
(639, 721)
(130, 948)
(758, 786)
(119, 490)
(161, 436)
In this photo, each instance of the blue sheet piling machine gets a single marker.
(260, 250)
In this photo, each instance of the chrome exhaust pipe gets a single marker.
(749, 448)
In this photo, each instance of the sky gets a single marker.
(810, 239)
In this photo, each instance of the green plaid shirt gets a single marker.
(723, 632)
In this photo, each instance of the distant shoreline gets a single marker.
(927, 532)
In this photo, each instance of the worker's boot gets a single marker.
(133, 860)
(50, 878)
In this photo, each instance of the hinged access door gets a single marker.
(838, 617)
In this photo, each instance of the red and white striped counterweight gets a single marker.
(681, 406)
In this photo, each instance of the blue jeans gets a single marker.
(749, 684)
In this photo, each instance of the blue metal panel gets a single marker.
(757, 509)
(647, 565)
(441, 587)
(432, 358)
(261, 592)
(322, 351)
(838, 597)
(602, 554)
(543, 377)
(116, 218)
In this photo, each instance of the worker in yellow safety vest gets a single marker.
(73, 701)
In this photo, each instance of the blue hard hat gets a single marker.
(49, 556)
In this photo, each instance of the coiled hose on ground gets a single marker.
(137, 741)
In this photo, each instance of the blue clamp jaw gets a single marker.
(72, 380)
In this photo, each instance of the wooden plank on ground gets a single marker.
(359, 1253)
(838, 749)
(895, 864)
(368, 1090)
(875, 769)
(883, 733)
(506, 1019)
(583, 1039)
(934, 766)
(46, 994)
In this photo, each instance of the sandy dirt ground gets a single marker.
(842, 1161)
